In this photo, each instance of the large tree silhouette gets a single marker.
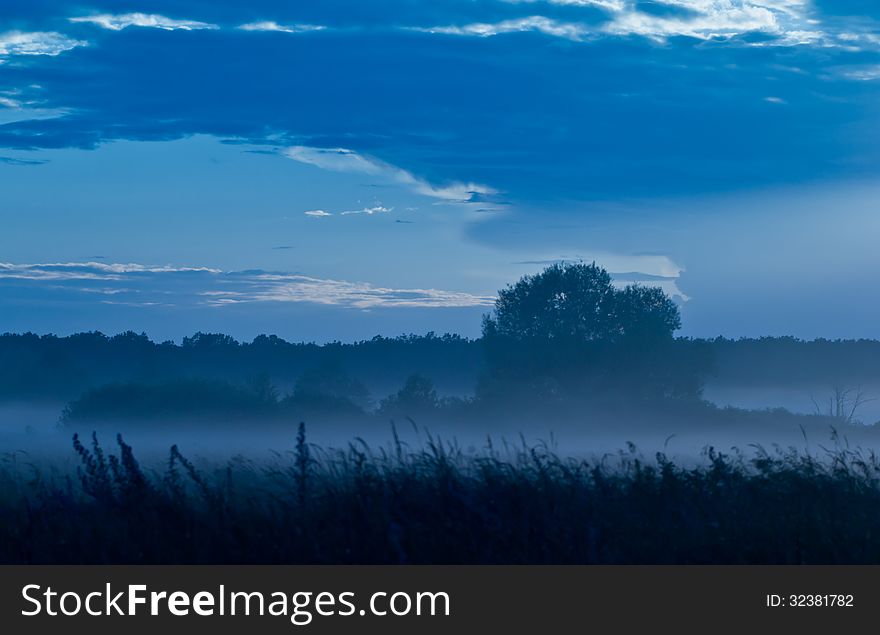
(580, 302)
(569, 330)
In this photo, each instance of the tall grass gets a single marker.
(440, 504)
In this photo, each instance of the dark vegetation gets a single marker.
(58, 369)
(442, 505)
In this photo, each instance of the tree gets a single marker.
(573, 301)
(329, 387)
(418, 396)
(579, 303)
(569, 331)
(645, 314)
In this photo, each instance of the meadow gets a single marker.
(442, 504)
(565, 350)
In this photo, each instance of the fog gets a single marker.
(802, 399)
(32, 435)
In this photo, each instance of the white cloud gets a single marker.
(86, 270)
(272, 26)
(141, 285)
(784, 22)
(344, 160)
(548, 26)
(369, 211)
(775, 100)
(335, 159)
(272, 287)
(36, 43)
(121, 21)
(867, 73)
(317, 213)
(709, 19)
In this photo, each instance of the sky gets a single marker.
(341, 169)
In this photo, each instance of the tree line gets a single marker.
(564, 334)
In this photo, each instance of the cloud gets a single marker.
(868, 73)
(543, 124)
(608, 5)
(271, 26)
(775, 100)
(117, 22)
(344, 160)
(335, 159)
(141, 285)
(710, 19)
(18, 161)
(317, 213)
(273, 287)
(369, 211)
(547, 26)
(36, 43)
(786, 22)
(87, 270)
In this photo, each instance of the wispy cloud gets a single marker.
(317, 213)
(87, 270)
(608, 5)
(369, 211)
(142, 285)
(271, 26)
(117, 22)
(18, 161)
(541, 24)
(344, 160)
(36, 43)
(867, 73)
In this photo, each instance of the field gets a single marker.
(441, 504)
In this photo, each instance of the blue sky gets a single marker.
(340, 169)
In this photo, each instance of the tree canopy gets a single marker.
(569, 331)
(579, 302)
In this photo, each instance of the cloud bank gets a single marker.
(543, 118)
(134, 284)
